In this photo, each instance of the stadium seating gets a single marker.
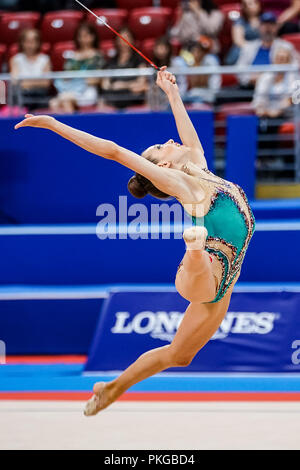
(115, 18)
(287, 133)
(176, 46)
(231, 13)
(221, 3)
(170, 3)
(2, 55)
(12, 24)
(60, 26)
(130, 4)
(236, 109)
(2, 12)
(147, 47)
(108, 48)
(149, 22)
(230, 109)
(229, 80)
(175, 16)
(276, 6)
(60, 52)
(294, 39)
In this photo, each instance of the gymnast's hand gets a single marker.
(166, 81)
(44, 122)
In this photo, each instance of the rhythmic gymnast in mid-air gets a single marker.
(215, 245)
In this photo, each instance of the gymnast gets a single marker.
(216, 243)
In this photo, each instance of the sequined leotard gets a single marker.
(230, 223)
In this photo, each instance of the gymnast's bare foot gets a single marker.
(99, 400)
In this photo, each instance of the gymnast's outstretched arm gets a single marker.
(188, 135)
(170, 181)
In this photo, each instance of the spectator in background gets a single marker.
(163, 55)
(273, 91)
(272, 101)
(198, 17)
(288, 20)
(78, 92)
(246, 28)
(125, 91)
(203, 88)
(31, 62)
(260, 51)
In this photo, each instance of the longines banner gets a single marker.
(260, 333)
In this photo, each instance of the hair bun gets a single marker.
(136, 188)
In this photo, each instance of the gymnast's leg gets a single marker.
(198, 325)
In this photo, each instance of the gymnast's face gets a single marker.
(169, 154)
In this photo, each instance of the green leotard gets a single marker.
(230, 224)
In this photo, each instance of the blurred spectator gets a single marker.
(273, 91)
(288, 20)
(162, 55)
(203, 88)
(125, 91)
(246, 28)
(272, 101)
(30, 62)
(72, 94)
(198, 17)
(260, 51)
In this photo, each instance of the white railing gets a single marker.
(147, 72)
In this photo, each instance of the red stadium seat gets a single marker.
(149, 22)
(176, 46)
(230, 109)
(287, 128)
(130, 4)
(275, 5)
(287, 131)
(13, 23)
(229, 80)
(115, 18)
(2, 12)
(60, 26)
(176, 16)
(2, 55)
(294, 39)
(14, 49)
(231, 13)
(170, 3)
(108, 48)
(221, 3)
(147, 47)
(60, 52)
